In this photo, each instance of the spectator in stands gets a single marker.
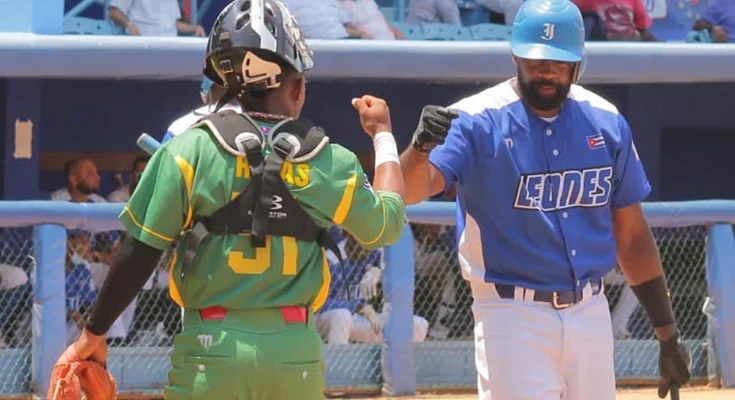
(157, 318)
(104, 253)
(122, 195)
(323, 19)
(13, 285)
(210, 94)
(509, 8)
(433, 11)
(152, 18)
(346, 315)
(437, 279)
(366, 17)
(82, 183)
(624, 20)
(719, 20)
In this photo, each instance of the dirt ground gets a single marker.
(623, 394)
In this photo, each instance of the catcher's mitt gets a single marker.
(71, 381)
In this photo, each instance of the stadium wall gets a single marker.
(84, 121)
(92, 89)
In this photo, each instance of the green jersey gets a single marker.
(191, 176)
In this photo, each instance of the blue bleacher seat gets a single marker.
(88, 26)
(491, 32)
(446, 32)
(389, 13)
(410, 31)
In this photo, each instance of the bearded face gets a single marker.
(544, 84)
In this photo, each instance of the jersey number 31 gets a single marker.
(241, 264)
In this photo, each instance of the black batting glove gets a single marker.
(433, 128)
(673, 364)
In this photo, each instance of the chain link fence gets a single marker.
(351, 319)
(145, 330)
(349, 322)
(16, 269)
(683, 257)
(444, 299)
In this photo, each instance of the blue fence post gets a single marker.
(49, 298)
(397, 358)
(720, 281)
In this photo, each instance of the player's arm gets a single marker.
(374, 215)
(637, 252)
(426, 177)
(640, 262)
(154, 216)
(117, 11)
(375, 120)
(422, 178)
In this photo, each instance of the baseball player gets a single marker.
(549, 186)
(254, 195)
(346, 314)
(210, 95)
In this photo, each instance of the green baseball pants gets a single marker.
(249, 355)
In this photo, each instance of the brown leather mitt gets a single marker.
(70, 381)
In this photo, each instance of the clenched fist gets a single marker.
(374, 114)
(433, 128)
(674, 363)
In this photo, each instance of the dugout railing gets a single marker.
(695, 238)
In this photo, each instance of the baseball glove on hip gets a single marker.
(71, 381)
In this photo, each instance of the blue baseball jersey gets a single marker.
(534, 195)
(79, 290)
(344, 289)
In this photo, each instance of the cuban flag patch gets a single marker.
(596, 142)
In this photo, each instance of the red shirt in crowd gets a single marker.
(624, 19)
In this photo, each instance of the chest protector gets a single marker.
(265, 206)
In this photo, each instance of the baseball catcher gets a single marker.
(248, 198)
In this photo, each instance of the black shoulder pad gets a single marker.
(234, 132)
(306, 138)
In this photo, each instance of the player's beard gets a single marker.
(530, 92)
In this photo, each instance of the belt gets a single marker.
(290, 314)
(558, 300)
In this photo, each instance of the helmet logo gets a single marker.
(256, 70)
(548, 32)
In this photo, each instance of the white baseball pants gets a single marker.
(339, 326)
(527, 350)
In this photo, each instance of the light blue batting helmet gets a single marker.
(549, 30)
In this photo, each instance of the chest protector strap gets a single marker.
(265, 206)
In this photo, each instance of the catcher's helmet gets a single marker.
(549, 30)
(247, 36)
